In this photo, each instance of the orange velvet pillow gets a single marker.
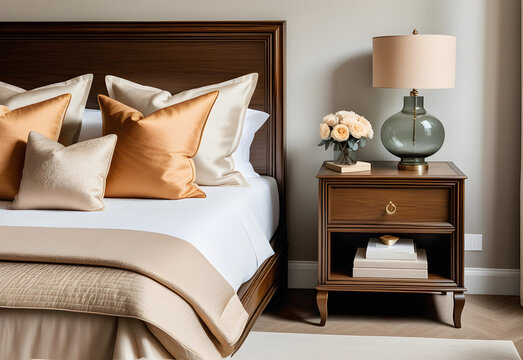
(45, 117)
(152, 158)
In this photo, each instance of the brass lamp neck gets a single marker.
(414, 92)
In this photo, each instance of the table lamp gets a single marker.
(413, 62)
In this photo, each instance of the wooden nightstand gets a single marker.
(428, 207)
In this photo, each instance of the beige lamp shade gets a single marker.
(414, 61)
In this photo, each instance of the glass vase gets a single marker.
(345, 157)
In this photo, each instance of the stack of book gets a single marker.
(401, 260)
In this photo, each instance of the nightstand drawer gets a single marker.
(356, 204)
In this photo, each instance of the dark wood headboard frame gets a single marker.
(170, 55)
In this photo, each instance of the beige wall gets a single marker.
(329, 68)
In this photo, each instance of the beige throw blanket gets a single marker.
(159, 279)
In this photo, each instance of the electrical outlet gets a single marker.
(474, 242)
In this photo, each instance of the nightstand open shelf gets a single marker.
(342, 248)
(428, 208)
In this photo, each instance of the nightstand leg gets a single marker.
(321, 299)
(459, 304)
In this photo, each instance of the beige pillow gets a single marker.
(14, 97)
(213, 162)
(69, 178)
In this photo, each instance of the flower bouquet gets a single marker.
(347, 131)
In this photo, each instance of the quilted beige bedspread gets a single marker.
(159, 279)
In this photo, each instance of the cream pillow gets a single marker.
(69, 178)
(213, 162)
(14, 97)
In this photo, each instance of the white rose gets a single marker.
(370, 133)
(347, 116)
(325, 131)
(330, 120)
(368, 126)
(347, 121)
(340, 132)
(357, 129)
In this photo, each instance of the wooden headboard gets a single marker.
(169, 55)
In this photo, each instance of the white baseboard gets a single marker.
(492, 281)
(304, 275)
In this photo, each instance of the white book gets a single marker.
(361, 262)
(390, 273)
(392, 255)
(401, 246)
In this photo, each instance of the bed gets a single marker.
(195, 54)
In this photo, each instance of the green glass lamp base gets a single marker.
(412, 134)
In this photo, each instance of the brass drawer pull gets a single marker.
(390, 208)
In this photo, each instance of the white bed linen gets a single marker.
(232, 227)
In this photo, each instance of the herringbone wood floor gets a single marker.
(417, 315)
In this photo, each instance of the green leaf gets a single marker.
(362, 142)
(322, 143)
(327, 144)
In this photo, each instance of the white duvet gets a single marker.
(232, 227)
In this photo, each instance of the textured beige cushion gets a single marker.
(213, 162)
(69, 178)
(14, 97)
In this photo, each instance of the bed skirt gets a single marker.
(50, 334)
